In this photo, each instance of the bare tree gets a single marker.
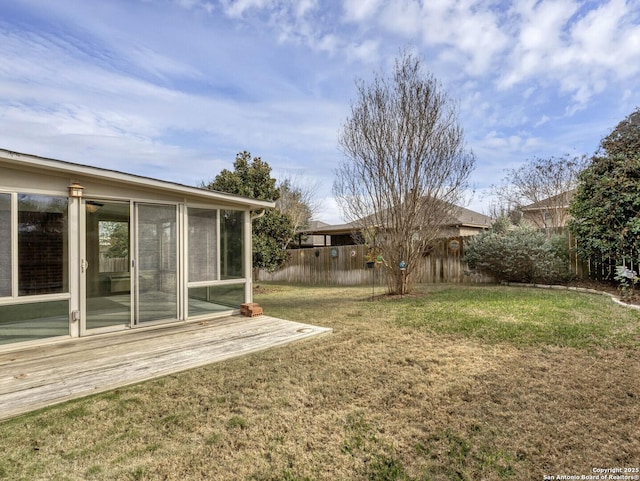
(405, 166)
(541, 189)
(298, 199)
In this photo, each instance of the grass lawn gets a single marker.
(450, 383)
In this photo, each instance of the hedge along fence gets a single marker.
(346, 265)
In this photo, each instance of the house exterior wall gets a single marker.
(51, 258)
(547, 218)
(461, 231)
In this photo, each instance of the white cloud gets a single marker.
(540, 36)
(480, 38)
(360, 10)
(304, 7)
(516, 145)
(582, 51)
(366, 52)
(238, 8)
(403, 17)
(469, 31)
(606, 39)
(328, 43)
(543, 120)
(159, 64)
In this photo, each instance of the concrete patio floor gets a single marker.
(41, 376)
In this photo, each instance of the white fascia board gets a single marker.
(73, 169)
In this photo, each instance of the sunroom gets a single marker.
(85, 250)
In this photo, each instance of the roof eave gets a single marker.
(73, 169)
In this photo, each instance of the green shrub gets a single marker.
(520, 254)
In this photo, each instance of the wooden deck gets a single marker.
(41, 376)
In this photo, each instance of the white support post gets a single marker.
(75, 254)
(248, 257)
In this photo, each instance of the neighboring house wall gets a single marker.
(461, 231)
(550, 213)
(316, 240)
(303, 240)
(546, 218)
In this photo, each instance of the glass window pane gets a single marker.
(26, 322)
(114, 243)
(5, 245)
(212, 299)
(42, 244)
(203, 246)
(232, 244)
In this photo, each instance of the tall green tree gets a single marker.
(271, 232)
(249, 178)
(606, 207)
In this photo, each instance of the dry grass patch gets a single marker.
(421, 388)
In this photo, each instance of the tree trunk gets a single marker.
(398, 281)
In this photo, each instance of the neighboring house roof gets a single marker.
(316, 224)
(470, 218)
(40, 164)
(560, 200)
(461, 217)
(330, 229)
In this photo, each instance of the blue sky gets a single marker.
(173, 89)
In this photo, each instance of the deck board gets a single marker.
(37, 377)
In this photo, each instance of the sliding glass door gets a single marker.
(129, 265)
(157, 263)
(106, 265)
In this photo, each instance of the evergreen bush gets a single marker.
(520, 254)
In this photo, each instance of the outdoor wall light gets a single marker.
(92, 207)
(75, 190)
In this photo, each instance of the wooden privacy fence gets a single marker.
(345, 265)
(596, 268)
(113, 264)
